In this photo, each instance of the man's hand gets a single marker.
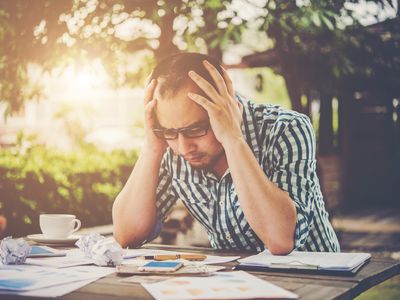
(224, 111)
(152, 142)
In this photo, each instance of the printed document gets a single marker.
(47, 282)
(224, 285)
(318, 260)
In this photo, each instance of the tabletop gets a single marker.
(306, 286)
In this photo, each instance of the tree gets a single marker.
(20, 45)
(55, 33)
(315, 47)
(321, 48)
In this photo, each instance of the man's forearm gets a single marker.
(270, 211)
(134, 209)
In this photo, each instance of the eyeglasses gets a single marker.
(192, 131)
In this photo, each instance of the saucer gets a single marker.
(40, 238)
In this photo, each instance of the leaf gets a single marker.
(305, 22)
(336, 71)
(328, 23)
(237, 37)
(284, 25)
(214, 4)
(316, 19)
(214, 43)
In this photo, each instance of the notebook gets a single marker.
(329, 263)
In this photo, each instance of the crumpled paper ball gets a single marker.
(86, 243)
(107, 252)
(103, 252)
(14, 251)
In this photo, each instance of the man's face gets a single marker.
(178, 111)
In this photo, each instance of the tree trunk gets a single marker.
(166, 46)
(325, 140)
(294, 92)
(216, 53)
(398, 8)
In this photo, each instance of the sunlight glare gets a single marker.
(84, 81)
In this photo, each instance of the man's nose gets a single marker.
(185, 145)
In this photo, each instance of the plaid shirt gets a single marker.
(284, 144)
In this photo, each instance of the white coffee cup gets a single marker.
(58, 226)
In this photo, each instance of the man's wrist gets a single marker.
(232, 142)
(152, 152)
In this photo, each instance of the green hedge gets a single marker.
(40, 180)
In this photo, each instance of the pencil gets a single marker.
(195, 257)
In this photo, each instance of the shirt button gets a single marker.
(228, 237)
(221, 203)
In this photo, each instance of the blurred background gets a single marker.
(71, 86)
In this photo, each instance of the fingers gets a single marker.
(149, 107)
(149, 91)
(202, 101)
(149, 112)
(148, 79)
(204, 85)
(216, 76)
(228, 82)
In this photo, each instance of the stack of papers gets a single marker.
(318, 261)
(36, 281)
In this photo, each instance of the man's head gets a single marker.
(172, 72)
(194, 139)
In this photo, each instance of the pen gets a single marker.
(197, 257)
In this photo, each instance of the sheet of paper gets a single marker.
(144, 279)
(211, 259)
(324, 260)
(74, 257)
(91, 273)
(225, 285)
(61, 290)
(26, 278)
(132, 253)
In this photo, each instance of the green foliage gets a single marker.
(40, 180)
(20, 46)
(318, 48)
(54, 34)
(311, 39)
(273, 90)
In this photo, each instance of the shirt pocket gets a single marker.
(198, 200)
(192, 193)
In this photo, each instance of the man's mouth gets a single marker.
(194, 157)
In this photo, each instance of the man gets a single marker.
(246, 172)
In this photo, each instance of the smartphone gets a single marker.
(161, 266)
(44, 251)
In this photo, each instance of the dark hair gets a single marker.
(174, 70)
